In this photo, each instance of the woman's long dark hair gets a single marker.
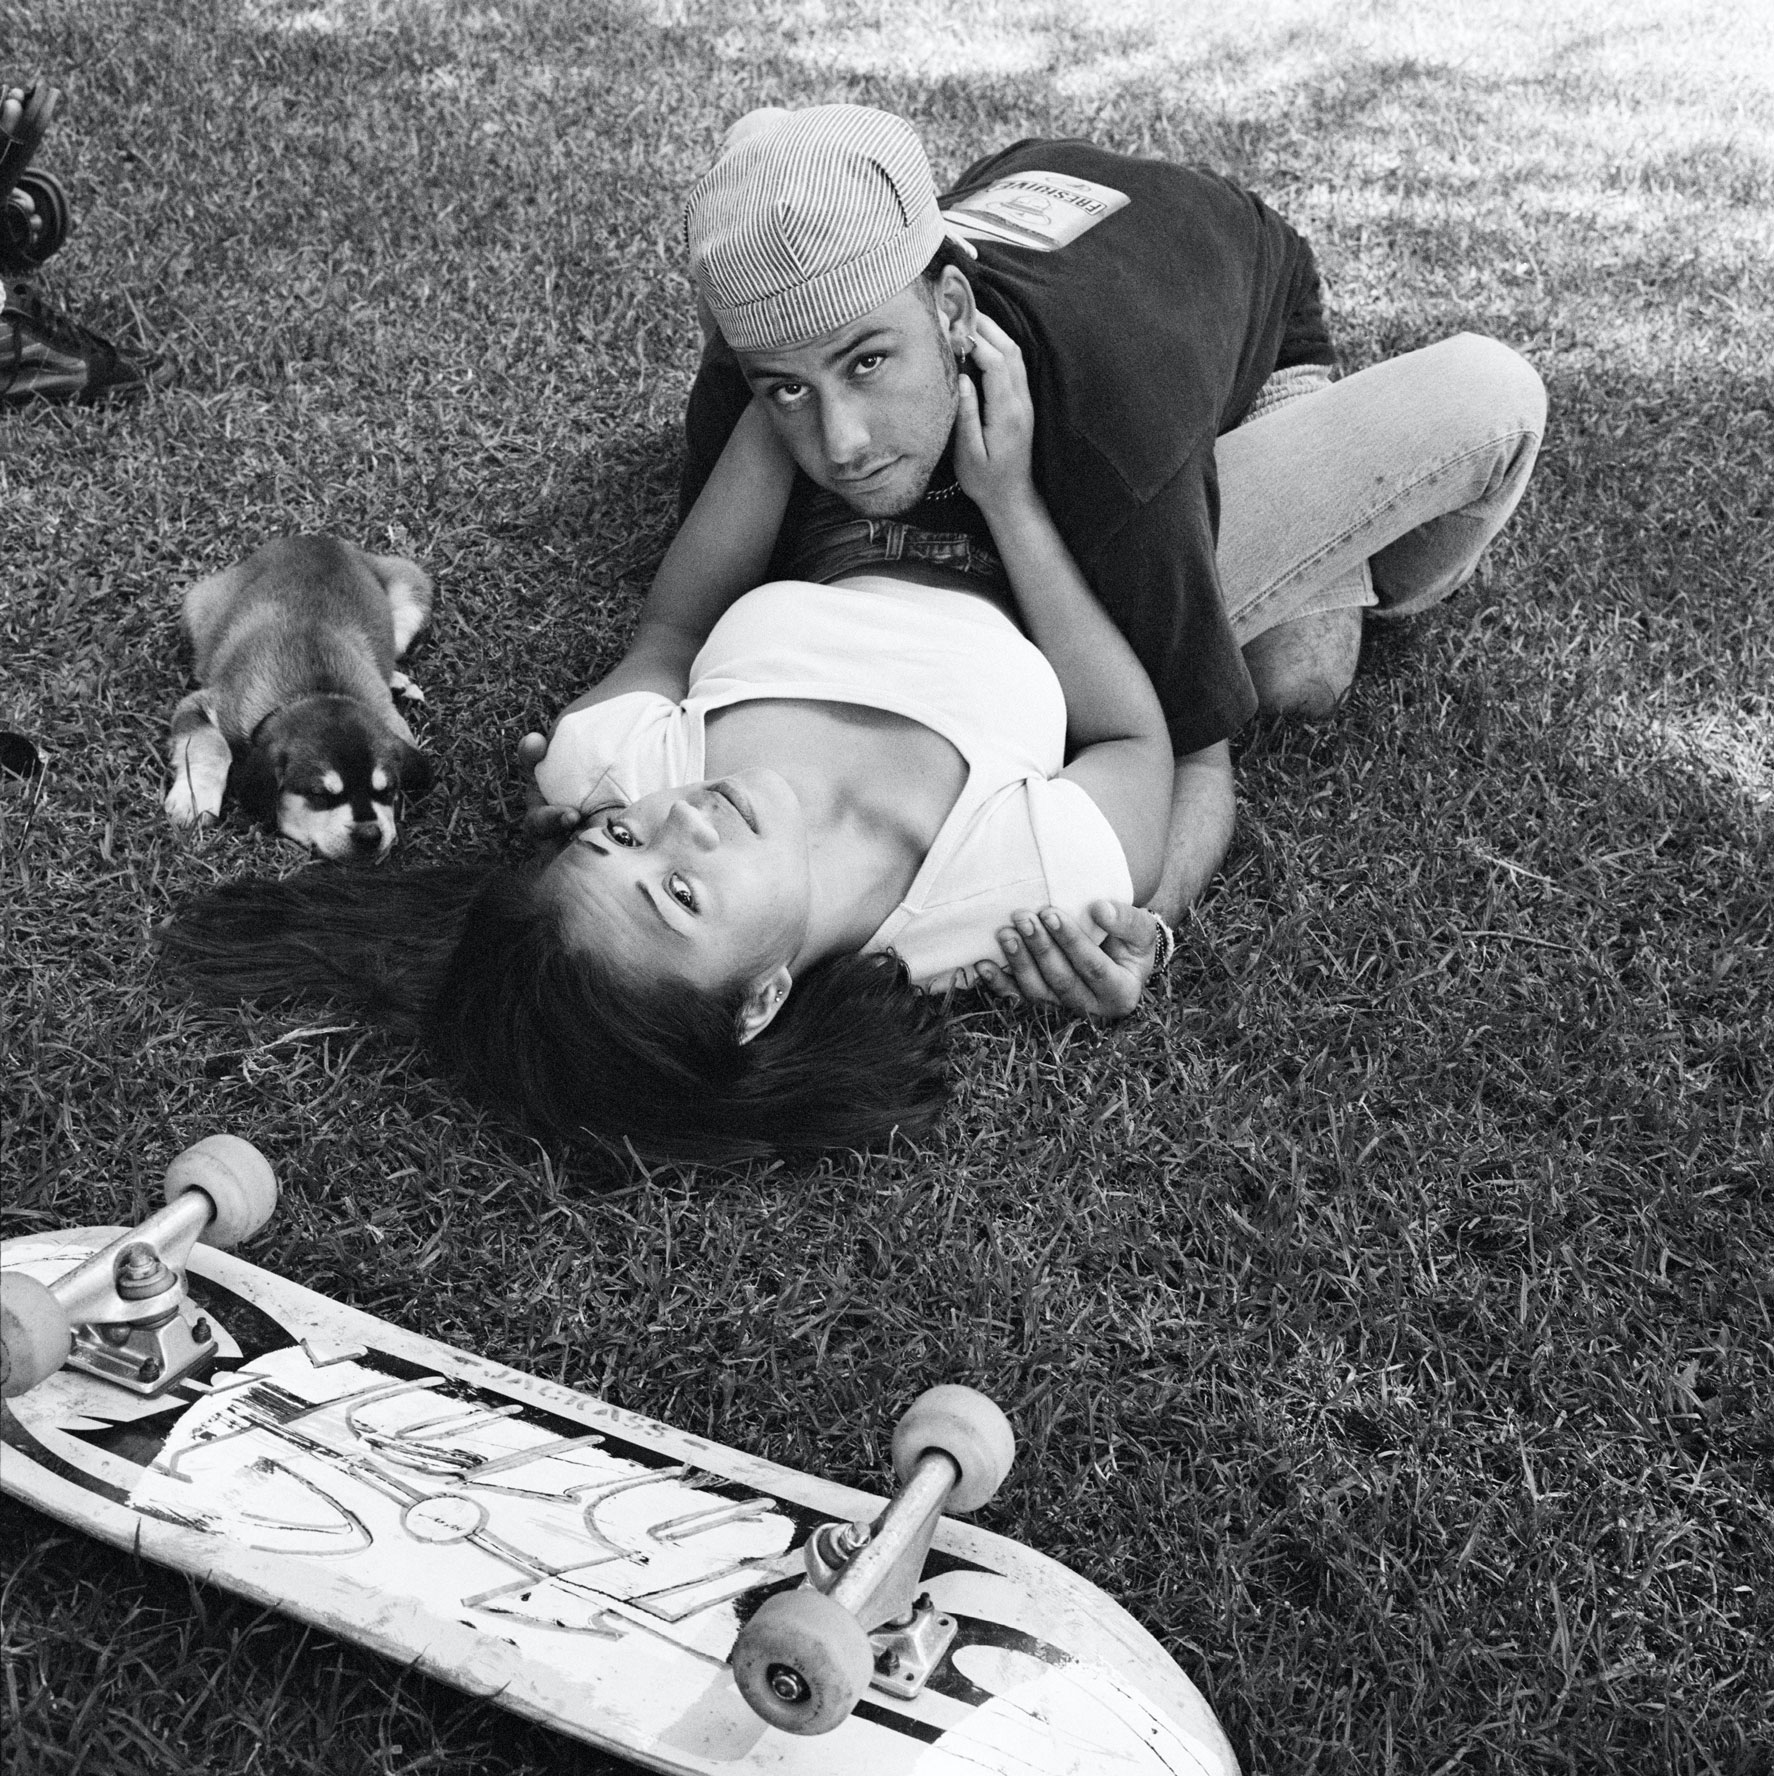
(473, 962)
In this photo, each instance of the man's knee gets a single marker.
(1304, 668)
(1498, 378)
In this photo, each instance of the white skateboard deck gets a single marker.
(576, 1563)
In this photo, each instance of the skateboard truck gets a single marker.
(143, 1334)
(848, 1561)
(805, 1657)
(124, 1314)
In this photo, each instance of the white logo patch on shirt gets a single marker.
(1042, 211)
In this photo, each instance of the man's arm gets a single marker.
(1203, 809)
(1051, 957)
(723, 547)
(720, 552)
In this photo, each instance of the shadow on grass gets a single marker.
(1381, 1312)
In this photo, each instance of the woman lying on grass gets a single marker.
(792, 815)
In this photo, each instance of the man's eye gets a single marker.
(681, 891)
(620, 834)
(868, 363)
(788, 394)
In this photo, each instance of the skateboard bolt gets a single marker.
(200, 1331)
(790, 1686)
(886, 1661)
(141, 1275)
(150, 1369)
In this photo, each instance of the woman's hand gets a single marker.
(547, 823)
(1050, 958)
(995, 430)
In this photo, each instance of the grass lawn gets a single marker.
(1386, 1312)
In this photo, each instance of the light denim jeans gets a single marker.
(1380, 490)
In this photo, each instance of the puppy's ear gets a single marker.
(256, 780)
(415, 772)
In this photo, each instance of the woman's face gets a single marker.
(708, 883)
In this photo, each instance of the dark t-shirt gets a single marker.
(1144, 338)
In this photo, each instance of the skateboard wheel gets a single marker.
(40, 103)
(35, 1336)
(21, 138)
(55, 215)
(966, 1427)
(802, 1661)
(236, 1177)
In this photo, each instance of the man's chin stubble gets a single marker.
(887, 505)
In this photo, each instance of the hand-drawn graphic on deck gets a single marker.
(489, 1516)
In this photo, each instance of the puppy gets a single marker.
(295, 650)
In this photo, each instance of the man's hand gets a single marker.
(1050, 958)
(547, 823)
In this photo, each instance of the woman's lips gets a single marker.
(740, 801)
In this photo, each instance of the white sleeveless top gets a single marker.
(1017, 836)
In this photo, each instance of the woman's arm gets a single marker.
(1053, 957)
(1115, 725)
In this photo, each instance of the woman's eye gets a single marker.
(620, 833)
(681, 891)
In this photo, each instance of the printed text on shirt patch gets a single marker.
(1043, 211)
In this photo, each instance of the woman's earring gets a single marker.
(964, 348)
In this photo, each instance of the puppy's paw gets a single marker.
(200, 764)
(402, 686)
(185, 808)
(409, 597)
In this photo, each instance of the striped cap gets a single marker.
(808, 221)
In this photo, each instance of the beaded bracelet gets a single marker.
(1167, 944)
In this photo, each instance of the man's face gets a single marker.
(866, 411)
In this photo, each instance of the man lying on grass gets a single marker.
(832, 776)
(1172, 326)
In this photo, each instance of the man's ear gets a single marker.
(956, 310)
(763, 1002)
